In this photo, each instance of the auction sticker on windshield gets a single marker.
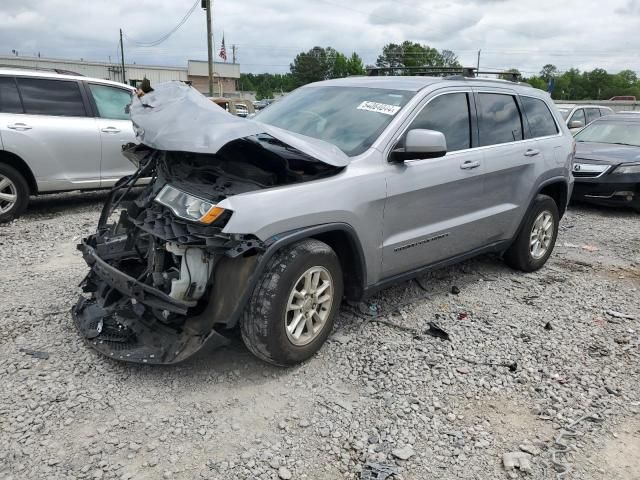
(379, 107)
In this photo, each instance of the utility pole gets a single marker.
(233, 49)
(124, 78)
(478, 66)
(209, 46)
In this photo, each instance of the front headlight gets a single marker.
(187, 206)
(627, 168)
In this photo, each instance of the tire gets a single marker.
(12, 183)
(267, 314)
(522, 255)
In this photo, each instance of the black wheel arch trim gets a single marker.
(240, 282)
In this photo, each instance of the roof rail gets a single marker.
(41, 69)
(450, 73)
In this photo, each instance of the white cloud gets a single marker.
(525, 34)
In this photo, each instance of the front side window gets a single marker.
(111, 101)
(448, 114)
(578, 116)
(499, 119)
(539, 117)
(351, 118)
(606, 111)
(592, 114)
(9, 97)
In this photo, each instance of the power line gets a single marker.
(169, 33)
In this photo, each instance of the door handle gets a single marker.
(468, 165)
(19, 126)
(532, 152)
(110, 130)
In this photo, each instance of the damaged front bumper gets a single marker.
(128, 328)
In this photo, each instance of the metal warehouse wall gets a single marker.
(109, 71)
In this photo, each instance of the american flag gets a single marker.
(223, 50)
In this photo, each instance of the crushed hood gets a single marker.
(176, 117)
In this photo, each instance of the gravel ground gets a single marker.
(528, 355)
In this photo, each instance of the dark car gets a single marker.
(607, 162)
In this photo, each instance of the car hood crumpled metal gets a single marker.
(176, 117)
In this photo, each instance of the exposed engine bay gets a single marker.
(165, 278)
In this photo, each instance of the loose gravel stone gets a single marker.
(374, 393)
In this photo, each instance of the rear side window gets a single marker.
(499, 119)
(539, 116)
(111, 101)
(51, 97)
(448, 114)
(592, 114)
(606, 111)
(9, 97)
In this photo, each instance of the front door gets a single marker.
(435, 208)
(115, 130)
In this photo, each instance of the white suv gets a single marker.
(58, 133)
(579, 116)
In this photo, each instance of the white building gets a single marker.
(225, 75)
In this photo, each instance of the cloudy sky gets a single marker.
(524, 34)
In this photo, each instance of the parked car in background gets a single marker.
(260, 104)
(578, 116)
(58, 133)
(235, 106)
(607, 162)
(623, 98)
(339, 189)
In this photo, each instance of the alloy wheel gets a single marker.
(541, 235)
(309, 306)
(8, 194)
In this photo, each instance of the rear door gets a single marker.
(434, 208)
(52, 131)
(115, 130)
(509, 160)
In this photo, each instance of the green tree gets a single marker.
(450, 59)
(510, 74)
(355, 65)
(548, 71)
(411, 54)
(311, 66)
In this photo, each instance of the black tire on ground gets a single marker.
(22, 191)
(519, 255)
(263, 324)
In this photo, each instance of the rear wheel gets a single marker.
(292, 308)
(14, 193)
(534, 244)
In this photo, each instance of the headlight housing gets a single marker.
(187, 206)
(627, 168)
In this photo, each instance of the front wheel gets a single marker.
(292, 308)
(534, 244)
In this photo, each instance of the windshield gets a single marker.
(564, 112)
(624, 133)
(350, 118)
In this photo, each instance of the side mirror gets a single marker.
(420, 144)
(576, 124)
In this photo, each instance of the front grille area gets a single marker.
(586, 174)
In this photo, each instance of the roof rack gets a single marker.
(41, 69)
(450, 73)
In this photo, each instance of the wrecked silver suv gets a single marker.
(338, 190)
